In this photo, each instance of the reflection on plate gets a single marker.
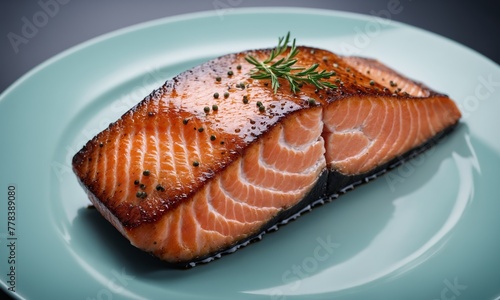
(426, 230)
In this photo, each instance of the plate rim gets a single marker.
(189, 16)
(211, 13)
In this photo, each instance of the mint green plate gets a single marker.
(427, 230)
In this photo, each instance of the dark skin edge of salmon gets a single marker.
(330, 185)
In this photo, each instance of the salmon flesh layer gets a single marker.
(188, 175)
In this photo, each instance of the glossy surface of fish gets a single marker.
(199, 168)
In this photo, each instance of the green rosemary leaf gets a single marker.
(284, 68)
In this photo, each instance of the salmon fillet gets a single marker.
(198, 168)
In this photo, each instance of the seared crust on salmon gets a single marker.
(213, 157)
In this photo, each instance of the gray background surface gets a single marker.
(475, 24)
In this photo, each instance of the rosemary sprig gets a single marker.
(284, 68)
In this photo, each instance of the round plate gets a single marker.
(426, 230)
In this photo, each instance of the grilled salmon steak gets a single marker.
(214, 158)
